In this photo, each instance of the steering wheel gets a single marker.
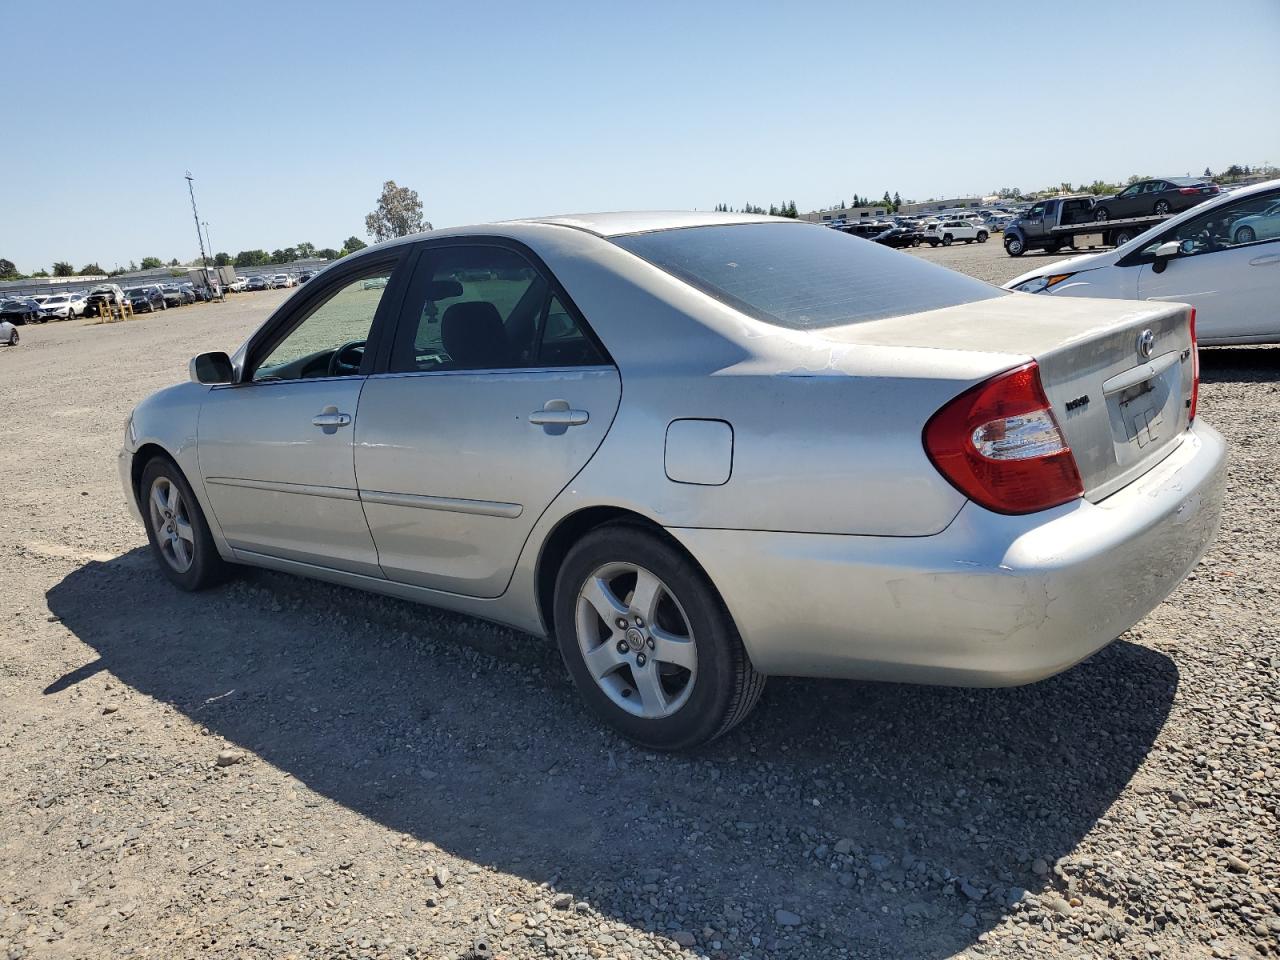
(346, 360)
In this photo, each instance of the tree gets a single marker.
(252, 258)
(222, 259)
(897, 201)
(63, 269)
(1208, 172)
(305, 250)
(8, 270)
(398, 214)
(328, 253)
(152, 263)
(353, 244)
(39, 273)
(92, 270)
(792, 212)
(284, 256)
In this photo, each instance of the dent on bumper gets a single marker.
(991, 601)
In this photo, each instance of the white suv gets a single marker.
(949, 231)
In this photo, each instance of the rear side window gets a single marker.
(478, 307)
(804, 277)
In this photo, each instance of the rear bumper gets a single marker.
(991, 601)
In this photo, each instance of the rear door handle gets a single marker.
(329, 419)
(1263, 261)
(558, 413)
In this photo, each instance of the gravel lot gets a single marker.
(279, 768)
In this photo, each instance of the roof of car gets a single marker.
(643, 221)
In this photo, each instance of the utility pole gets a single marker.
(204, 260)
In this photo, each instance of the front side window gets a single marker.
(330, 340)
(1253, 219)
(488, 308)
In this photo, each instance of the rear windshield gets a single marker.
(804, 276)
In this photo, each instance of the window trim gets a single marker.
(406, 327)
(290, 315)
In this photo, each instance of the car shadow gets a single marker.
(941, 795)
(1244, 364)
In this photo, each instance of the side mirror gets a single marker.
(211, 369)
(1170, 249)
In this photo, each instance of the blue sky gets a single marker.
(291, 115)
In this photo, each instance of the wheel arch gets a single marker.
(572, 528)
(141, 457)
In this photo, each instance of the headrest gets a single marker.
(473, 336)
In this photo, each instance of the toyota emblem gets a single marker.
(1146, 343)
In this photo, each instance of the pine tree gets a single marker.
(897, 201)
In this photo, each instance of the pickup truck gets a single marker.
(1060, 221)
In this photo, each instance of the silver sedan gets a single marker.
(698, 450)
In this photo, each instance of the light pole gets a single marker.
(204, 261)
(206, 236)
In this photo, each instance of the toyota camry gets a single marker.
(697, 450)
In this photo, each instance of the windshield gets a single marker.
(804, 277)
(50, 301)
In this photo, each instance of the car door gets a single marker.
(1126, 202)
(497, 394)
(1231, 276)
(275, 448)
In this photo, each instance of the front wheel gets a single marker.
(946, 241)
(1162, 208)
(1246, 235)
(982, 236)
(1014, 246)
(1102, 213)
(13, 338)
(648, 641)
(176, 528)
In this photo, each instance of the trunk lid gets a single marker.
(1122, 408)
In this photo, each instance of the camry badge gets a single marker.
(1146, 343)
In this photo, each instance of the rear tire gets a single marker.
(1121, 237)
(13, 338)
(177, 531)
(705, 689)
(1101, 213)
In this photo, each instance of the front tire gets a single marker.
(1246, 235)
(177, 529)
(648, 641)
(982, 236)
(1014, 246)
(1162, 208)
(1102, 213)
(13, 338)
(946, 240)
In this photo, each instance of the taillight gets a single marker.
(1189, 190)
(999, 444)
(1195, 367)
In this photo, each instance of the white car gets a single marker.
(63, 306)
(1221, 256)
(282, 281)
(949, 231)
(8, 333)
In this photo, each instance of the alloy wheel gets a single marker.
(636, 640)
(171, 522)
(1245, 235)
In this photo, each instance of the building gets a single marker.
(933, 206)
(845, 214)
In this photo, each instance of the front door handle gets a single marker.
(1264, 261)
(557, 416)
(329, 419)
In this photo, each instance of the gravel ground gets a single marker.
(279, 768)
